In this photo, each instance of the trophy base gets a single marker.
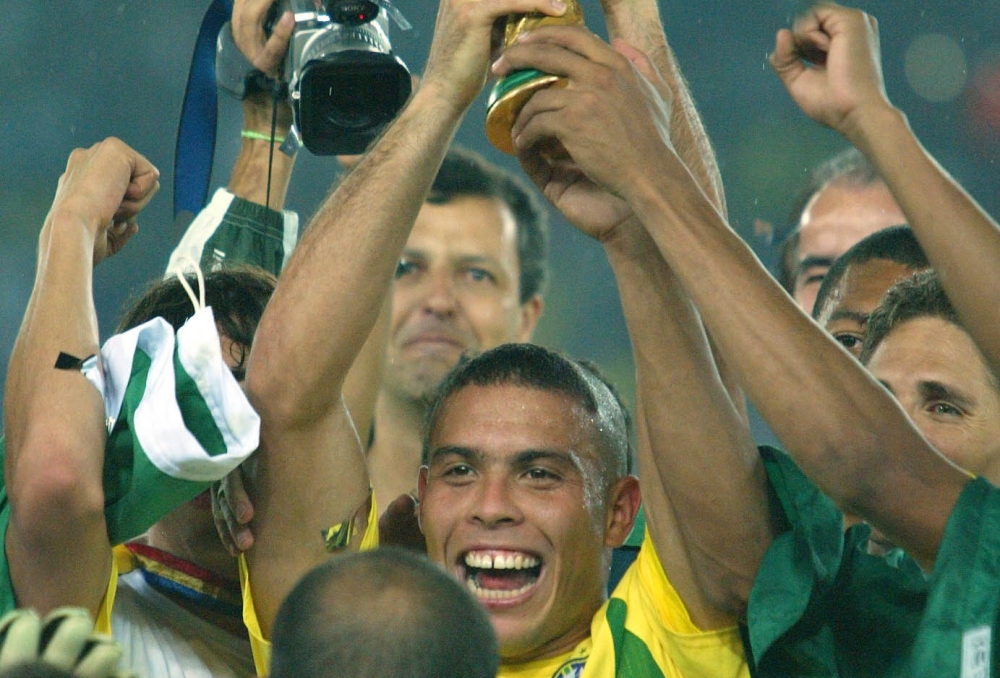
(507, 98)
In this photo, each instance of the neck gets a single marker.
(394, 456)
(205, 550)
(557, 647)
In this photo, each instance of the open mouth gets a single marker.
(435, 340)
(501, 575)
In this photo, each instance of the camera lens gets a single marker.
(353, 101)
(348, 98)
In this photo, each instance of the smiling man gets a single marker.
(523, 497)
(516, 482)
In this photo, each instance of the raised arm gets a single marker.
(843, 428)
(56, 541)
(845, 431)
(262, 172)
(311, 471)
(638, 23)
(844, 90)
(262, 175)
(697, 462)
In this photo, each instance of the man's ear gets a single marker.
(623, 506)
(531, 311)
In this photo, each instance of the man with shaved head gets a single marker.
(387, 613)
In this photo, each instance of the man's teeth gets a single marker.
(485, 561)
(494, 594)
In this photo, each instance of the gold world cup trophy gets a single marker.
(510, 93)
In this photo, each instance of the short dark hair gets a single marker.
(387, 613)
(850, 167)
(464, 172)
(532, 366)
(236, 294)
(896, 244)
(920, 295)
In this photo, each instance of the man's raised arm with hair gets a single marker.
(311, 470)
(698, 465)
(845, 430)
(57, 544)
(637, 23)
(261, 175)
(844, 90)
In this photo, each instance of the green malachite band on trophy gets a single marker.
(506, 100)
(512, 82)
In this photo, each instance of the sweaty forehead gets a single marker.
(841, 214)
(465, 226)
(511, 419)
(860, 288)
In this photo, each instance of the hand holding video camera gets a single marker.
(340, 75)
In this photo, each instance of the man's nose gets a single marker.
(440, 296)
(495, 503)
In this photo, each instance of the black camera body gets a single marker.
(345, 83)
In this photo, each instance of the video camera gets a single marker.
(344, 82)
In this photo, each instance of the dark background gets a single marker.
(76, 72)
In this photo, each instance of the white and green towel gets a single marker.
(177, 420)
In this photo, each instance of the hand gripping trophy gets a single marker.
(510, 93)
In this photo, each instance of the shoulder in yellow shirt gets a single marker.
(644, 630)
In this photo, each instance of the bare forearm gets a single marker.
(694, 447)
(311, 471)
(60, 319)
(687, 132)
(262, 172)
(846, 432)
(57, 543)
(638, 22)
(960, 239)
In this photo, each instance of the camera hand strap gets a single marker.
(196, 132)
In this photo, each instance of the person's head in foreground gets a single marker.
(387, 613)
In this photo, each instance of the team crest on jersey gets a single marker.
(571, 669)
